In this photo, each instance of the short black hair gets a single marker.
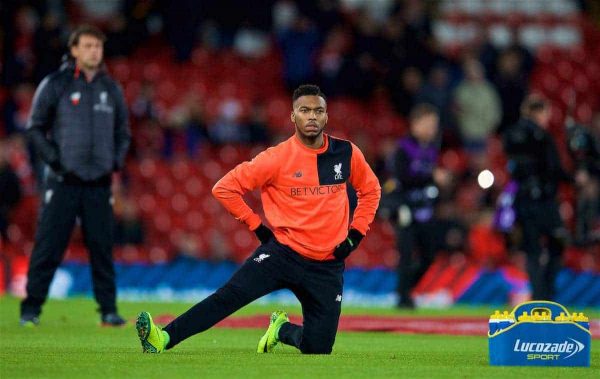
(533, 103)
(307, 90)
(85, 30)
(420, 110)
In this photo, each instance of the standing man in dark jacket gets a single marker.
(78, 125)
(535, 165)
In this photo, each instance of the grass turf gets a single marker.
(70, 344)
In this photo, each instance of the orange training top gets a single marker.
(303, 192)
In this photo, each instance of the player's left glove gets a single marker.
(264, 234)
(343, 250)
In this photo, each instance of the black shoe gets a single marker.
(29, 319)
(406, 304)
(112, 319)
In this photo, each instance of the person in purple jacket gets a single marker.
(416, 178)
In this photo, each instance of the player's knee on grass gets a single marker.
(316, 345)
(316, 350)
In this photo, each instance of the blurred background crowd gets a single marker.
(208, 85)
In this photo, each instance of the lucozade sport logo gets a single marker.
(567, 347)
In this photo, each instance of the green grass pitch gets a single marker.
(70, 344)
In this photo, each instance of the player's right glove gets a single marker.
(264, 234)
(57, 167)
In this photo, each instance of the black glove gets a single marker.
(264, 234)
(56, 167)
(343, 250)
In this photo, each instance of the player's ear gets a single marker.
(293, 117)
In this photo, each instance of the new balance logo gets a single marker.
(261, 258)
(338, 298)
(338, 171)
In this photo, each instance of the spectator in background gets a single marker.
(450, 233)
(149, 140)
(251, 43)
(436, 91)
(412, 195)
(482, 50)
(487, 245)
(478, 109)
(510, 80)
(187, 247)
(257, 126)
(361, 70)
(332, 58)
(16, 111)
(48, 45)
(181, 20)
(584, 147)
(10, 191)
(194, 124)
(119, 42)
(419, 36)
(397, 54)
(187, 122)
(299, 44)
(220, 246)
(534, 163)
(129, 229)
(16, 108)
(228, 127)
(19, 63)
(404, 90)
(144, 106)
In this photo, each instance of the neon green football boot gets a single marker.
(271, 338)
(153, 338)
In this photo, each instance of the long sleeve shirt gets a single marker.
(303, 192)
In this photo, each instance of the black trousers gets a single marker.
(61, 205)
(417, 251)
(317, 285)
(540, 219)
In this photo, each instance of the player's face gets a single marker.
(310, 115)
(88, 52)
(542, 118)
(425, 128)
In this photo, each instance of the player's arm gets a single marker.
(40, 121)
(245, 177)
(521, 159)
(122, 131)
(368, 191)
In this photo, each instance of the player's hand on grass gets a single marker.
(264, 234)
(343, 250)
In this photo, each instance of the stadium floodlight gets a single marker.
(485, 179)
